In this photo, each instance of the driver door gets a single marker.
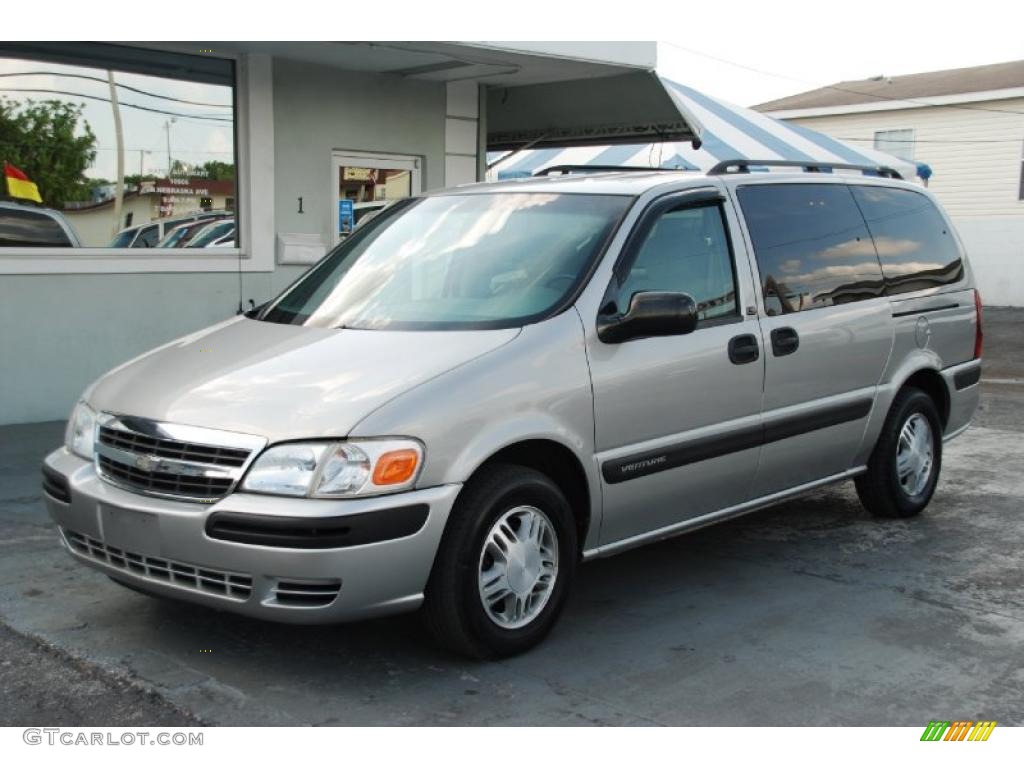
(678, 418)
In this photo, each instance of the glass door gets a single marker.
(362, 184)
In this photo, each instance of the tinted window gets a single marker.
(495, 260)
(811, 245)
(30, 229)
(914, 243)
(686, 251)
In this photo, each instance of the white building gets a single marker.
(967, 125)
(307, 125)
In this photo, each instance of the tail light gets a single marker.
(978, 335)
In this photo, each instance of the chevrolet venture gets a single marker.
(481, 388)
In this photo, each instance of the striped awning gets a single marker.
(725, 131)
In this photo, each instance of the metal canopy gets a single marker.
(648, 120)
(627, 108)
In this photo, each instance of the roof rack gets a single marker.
(601, 169)
(744, 166)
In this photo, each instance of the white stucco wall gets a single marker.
(319, 110)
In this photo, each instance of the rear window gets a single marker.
(811, 246)
(913, 241)
(30, 229)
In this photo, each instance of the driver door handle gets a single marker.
(743, 349)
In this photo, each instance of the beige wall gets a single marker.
(95, 226)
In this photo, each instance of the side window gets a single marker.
(914, 244)
(23, 228)
(811, 246)
(686, 251)
(148, 237)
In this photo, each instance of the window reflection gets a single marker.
(455, 261)
(115, 158)
(811, 245)
(914, 243)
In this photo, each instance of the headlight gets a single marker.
(336, 470)
(81, 430)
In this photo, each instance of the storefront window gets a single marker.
(107, 146)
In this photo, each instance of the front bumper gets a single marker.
(162, 546)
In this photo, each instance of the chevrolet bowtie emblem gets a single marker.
(146, 463)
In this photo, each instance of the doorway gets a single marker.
(362, 184)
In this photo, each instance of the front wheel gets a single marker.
(504, 565)
(904, 467)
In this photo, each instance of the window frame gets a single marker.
(254, 196)
(700, 197)
(912, 144)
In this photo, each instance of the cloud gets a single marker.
(886, 246)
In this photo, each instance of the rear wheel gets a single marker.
(904, 467)
(504, 565)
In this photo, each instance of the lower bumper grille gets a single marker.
(235, 586)
(308, 594)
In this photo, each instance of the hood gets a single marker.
(283, 381)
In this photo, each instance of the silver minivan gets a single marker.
(484, 387)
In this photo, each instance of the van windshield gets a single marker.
(463, 261)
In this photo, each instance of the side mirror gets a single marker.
(650, 313)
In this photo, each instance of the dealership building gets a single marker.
(314, 133)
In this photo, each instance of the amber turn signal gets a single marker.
(395, 467)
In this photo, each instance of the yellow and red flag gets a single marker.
(20, 185)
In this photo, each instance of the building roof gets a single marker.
(947, 82)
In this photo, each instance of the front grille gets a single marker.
(236, 586)
(133, 442)
(189, 463)
(200, 488)
(307, 594)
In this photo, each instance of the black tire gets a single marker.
(879, 488)
(453, 610)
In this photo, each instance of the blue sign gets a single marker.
(346, 216)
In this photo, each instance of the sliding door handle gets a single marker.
(785, 341)
(744, 349)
